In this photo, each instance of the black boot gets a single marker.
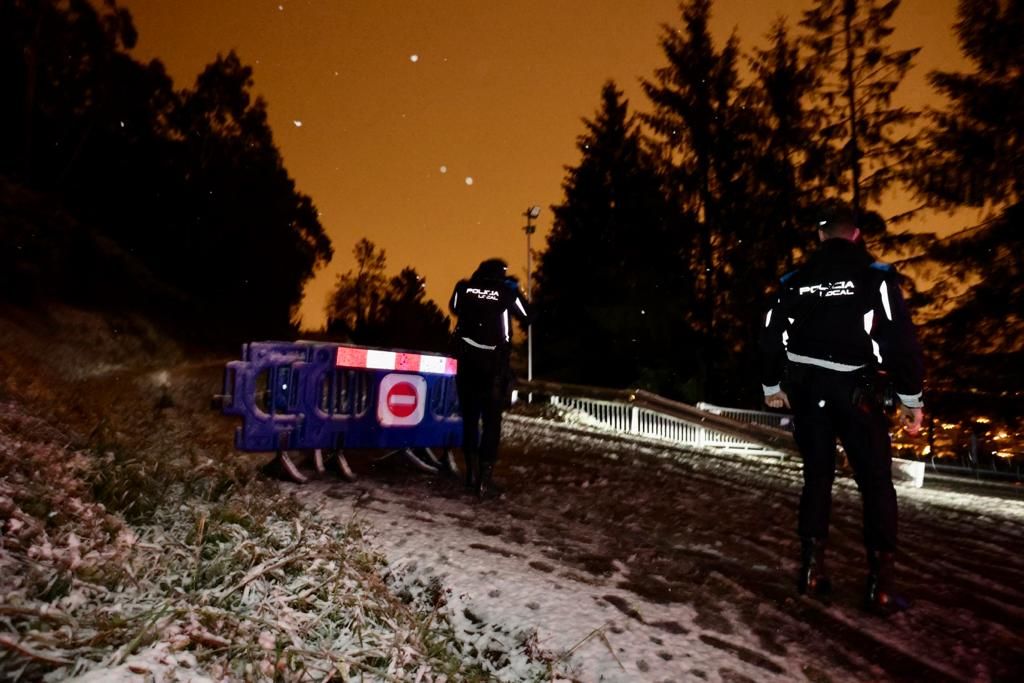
(813, 579)
(472, 471)
(487, 487)
(879, 596)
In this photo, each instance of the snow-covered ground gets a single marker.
(607, 559)
(639, 562)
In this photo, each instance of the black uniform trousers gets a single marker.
(828, 404)
(483, 385)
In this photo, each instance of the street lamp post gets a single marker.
(529, 229)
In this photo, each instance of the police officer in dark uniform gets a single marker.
(485, 306)
(836, 335)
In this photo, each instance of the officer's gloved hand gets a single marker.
(777, 400)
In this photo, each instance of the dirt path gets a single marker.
(680, 567)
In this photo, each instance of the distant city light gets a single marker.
(298, 124)
(444, 169)
(469, 180)
(414, 58)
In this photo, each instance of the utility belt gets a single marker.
(490, 366)
(481, 359)
(874, 388)
(465, 347)
(870, 386)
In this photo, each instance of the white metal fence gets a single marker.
(706, 426)
(757, 417)
(632, 419)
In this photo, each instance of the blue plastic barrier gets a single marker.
(318, 395)
(260, 389)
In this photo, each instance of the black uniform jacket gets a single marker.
(485, 308)
(843, 311)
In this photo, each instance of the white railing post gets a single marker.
(634, 419)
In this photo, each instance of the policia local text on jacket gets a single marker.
(485, 306)
(837, 322)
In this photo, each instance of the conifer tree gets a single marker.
(788, 163)
(868, 139)
(974, 156)
(975, 152)
(612, 292)
(357, 298)
(366, 307)
(705, 131)
(698, 125)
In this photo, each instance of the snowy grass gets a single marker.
(122, 562)
(135, 543)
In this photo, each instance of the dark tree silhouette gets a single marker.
(59, 62)
(764, 229)
(975, 153)
(367, 308)
(409, 319)
(612, 292)
(713, 148)
(975, 157)
(187, 184)
(355, 302)
(698, 127)
(789, 161)
(260, 236)
(869, 140)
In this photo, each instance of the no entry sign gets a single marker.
(401, 400)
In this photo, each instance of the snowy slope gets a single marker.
(638, 562)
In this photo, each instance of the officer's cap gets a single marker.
(834, 213)
(492, 267)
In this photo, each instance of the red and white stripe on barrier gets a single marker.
(375, 359)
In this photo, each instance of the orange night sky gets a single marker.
(384, 109)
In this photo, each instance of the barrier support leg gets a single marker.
(417, 463)
(449, 462)
(413, 459)
(431, 459)
(288, 469)
(339, 462)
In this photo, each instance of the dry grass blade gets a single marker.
(43, 612)
(12, 644)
